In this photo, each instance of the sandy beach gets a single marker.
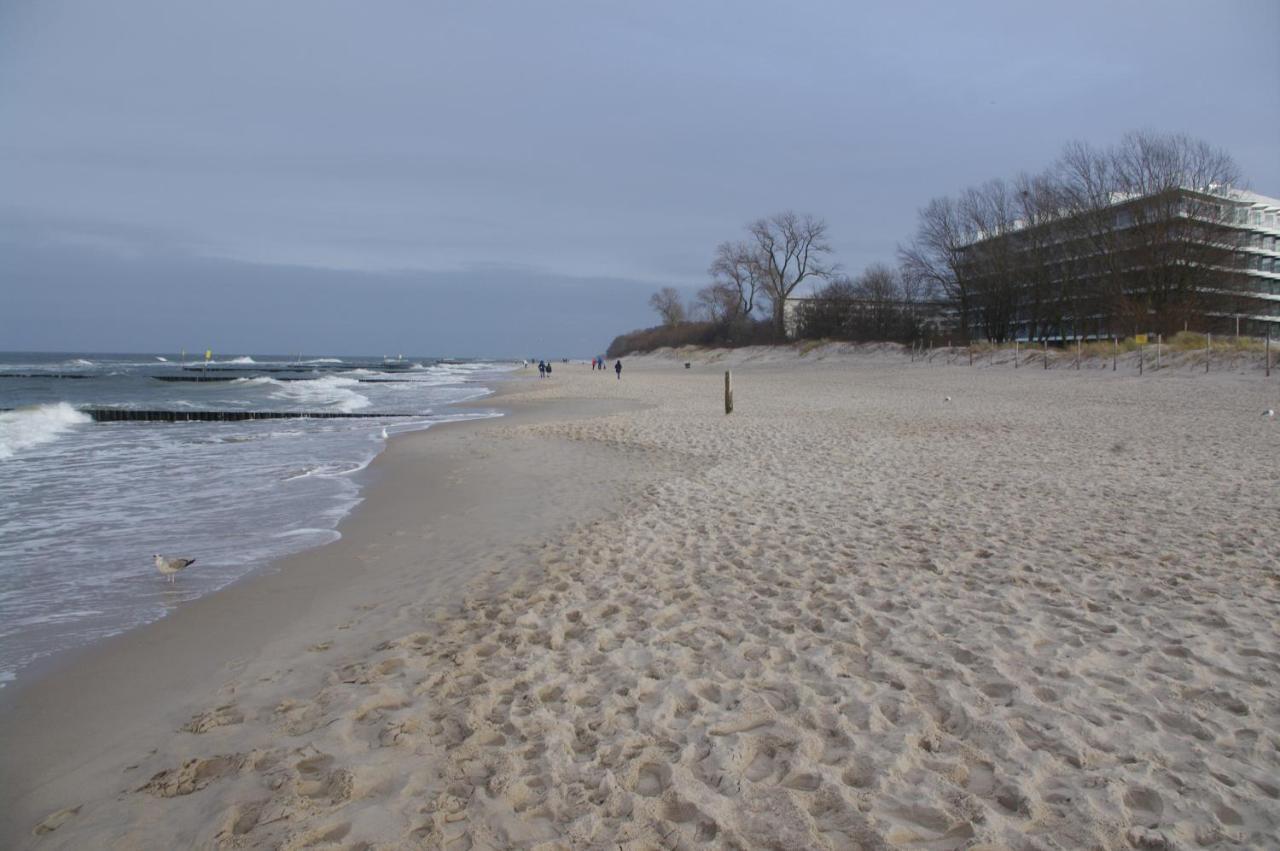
(882, 604)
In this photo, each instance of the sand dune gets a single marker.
(850, 615)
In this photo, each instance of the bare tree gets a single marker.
(719, 303)
(789, 250)
(666, 302)
(877, 282)
(878, 288)
(935, 259)
(737, 270)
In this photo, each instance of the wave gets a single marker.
(331, 391)
(322, 360)
(240, 360)
(81, 362)
(24, 428)
(162, 360)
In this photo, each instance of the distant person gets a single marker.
(542, 369)
(617, 367)
(548, 369)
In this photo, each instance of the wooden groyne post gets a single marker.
(1045, 344)
(728, 392)
(1159, 346)
(1268, 353)
(1208, 350)
(134, 415)
(1115, 352)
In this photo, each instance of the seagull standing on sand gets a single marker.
(1269, 412)
(170, 566)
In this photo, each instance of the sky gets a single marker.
(515, 179)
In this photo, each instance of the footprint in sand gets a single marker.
(192, 776)
(1145, 805)
(222, 716)
(320, 781)
(54, 821)
(652, 779)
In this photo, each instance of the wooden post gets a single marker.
(1208, 343)
(728, 392)
(1015, 354)
(1077, 354)
(1268, 353)
(1115, 352)
(1237, 327)
(1159, 346)
(1142, 356)
(1046, 353)
(970, 354)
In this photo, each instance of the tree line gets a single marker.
(1118, 240)
(751, 281)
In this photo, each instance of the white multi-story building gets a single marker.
(1178, 260)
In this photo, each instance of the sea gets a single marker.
(84, 504)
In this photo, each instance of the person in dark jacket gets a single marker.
(617, 367)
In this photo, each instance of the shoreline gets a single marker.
(152, 677)
(52, 662)
(876, 606)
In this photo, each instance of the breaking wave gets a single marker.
(27, 427)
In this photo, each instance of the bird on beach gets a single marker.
(170, 566)
(1269, 412)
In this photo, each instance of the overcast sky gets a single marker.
(475, 178)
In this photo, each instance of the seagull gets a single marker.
(170, 566)
(948, 399)
(1269, 412)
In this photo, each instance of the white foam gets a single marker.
(323, 536)
(24, 428)
(81, 362)
(330, 391)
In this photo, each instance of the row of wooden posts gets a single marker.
(918, 351)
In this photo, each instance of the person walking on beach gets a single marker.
(548, 369)
(542, 369)
(617, 367)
